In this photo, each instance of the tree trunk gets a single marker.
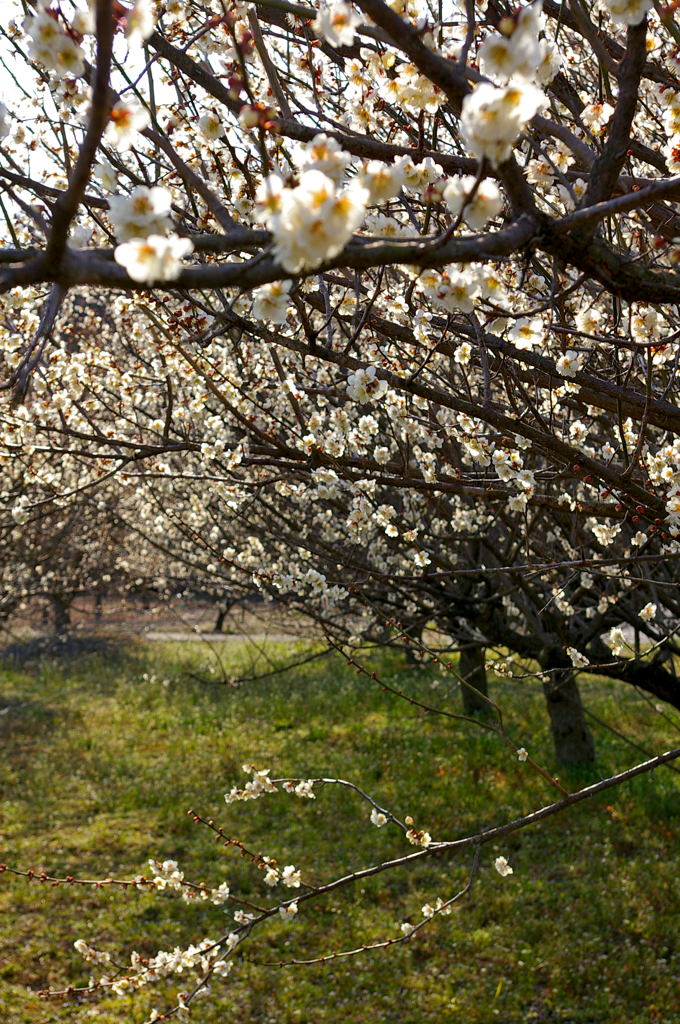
(472, 670)
(222, 612)
(61, 612)
(571, 735)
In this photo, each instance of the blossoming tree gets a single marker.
(390, 298)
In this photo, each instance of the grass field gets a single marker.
(99, 766)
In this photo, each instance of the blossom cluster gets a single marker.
(205, 957)
(167, 876)
(312, 222)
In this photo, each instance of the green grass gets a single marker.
(100, 765)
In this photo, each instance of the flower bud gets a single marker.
(249, 116)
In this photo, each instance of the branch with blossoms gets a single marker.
(209, 958)
(511, 107)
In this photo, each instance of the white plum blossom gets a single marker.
(423, 839)
(243, 917)
(220, 894)
(486, 204)
(428, 911)
(673, 508)
(618, 640)
(139, 23)
(167, 874)
(323, 153)
(525, 333)
(106, 174)
(154, 258)
(458, 290)
(605, 532)
(578, 660)
(19, 514)
(337, 23)
(126, 120)
(646, 324)
(525, 479)
(500, 57)
(144, 212)
(596, 116)
(551, 61)
(517, 54)
(628, 12)
(648, 612)
(413, 91)
(588, 320)
(671, 151)
(463, 354)
(493, 118)
(384, 181)
(272, 876)
(304, 789)
(84, 22)
(502, 867)
(312, 222)
(80, 236)
(578, 432)
(90, 954)
(418, 177)
(212, 126)
(52, 46)
(254, 788)
(283, 416)
(569, 363)
(290, 877)
(364, 386)
(270, 302)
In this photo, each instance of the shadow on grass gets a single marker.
(67, 647)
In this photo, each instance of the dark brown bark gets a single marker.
(473, 673)
(606, 169)
(571, 735)
(61, 612)
(649, 676)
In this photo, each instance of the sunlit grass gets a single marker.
(100, 766)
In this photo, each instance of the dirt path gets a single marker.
(221, 638)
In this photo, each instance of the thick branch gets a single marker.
(606, 169)
(66, 206)
(648, 676)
